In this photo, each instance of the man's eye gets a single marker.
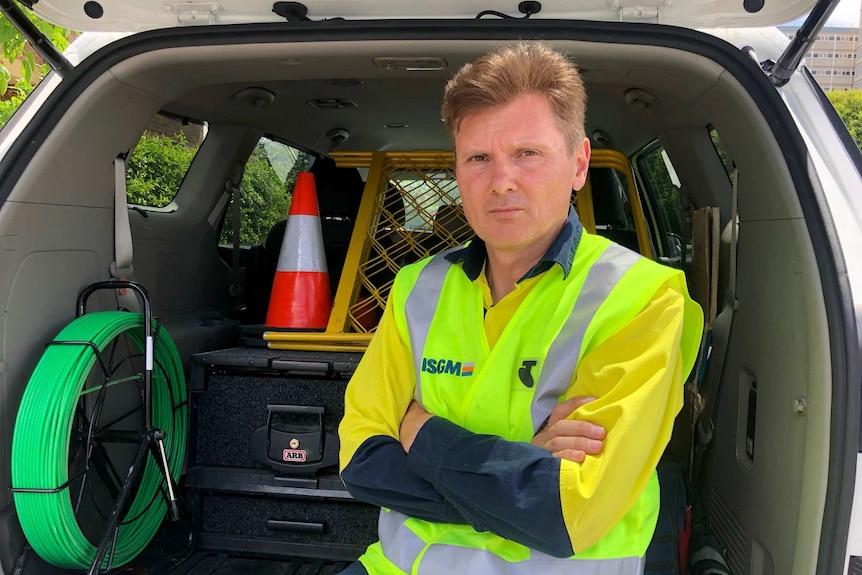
(530, 153)
(478, 158)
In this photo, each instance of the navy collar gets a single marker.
(561, 251)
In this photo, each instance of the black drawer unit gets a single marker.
(263, 455)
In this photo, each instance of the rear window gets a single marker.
(423, 194)
(266, 189)
(159, 161)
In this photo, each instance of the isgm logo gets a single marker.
(447, 366)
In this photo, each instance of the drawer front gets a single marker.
(226, 414)
(289, 520)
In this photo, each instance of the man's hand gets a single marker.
(413, 421)
(570, 439)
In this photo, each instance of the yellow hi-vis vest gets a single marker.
(557, 323)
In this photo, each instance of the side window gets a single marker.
(159, 161)
(267, 185)
(719, 149)
(669, 223)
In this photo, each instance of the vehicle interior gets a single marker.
(366, 100)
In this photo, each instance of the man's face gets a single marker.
(516, 174)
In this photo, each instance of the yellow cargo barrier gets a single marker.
(410, 209)
(304, 341)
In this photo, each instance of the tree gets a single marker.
(17, 49)
(156, 169)
(265, 197)
(848, 104)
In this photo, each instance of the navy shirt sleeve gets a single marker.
(378, 473)
(509, 488)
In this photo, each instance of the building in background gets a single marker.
(834, 59)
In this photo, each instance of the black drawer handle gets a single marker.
(301, 366)
(296, 409)
(295, 526)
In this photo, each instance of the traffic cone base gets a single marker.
(303, 300)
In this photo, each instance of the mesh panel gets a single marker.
(417, 213)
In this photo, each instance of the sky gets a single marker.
(847, 12)
(846, 15)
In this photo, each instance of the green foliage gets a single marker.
(265, 198)
(666, 194)
(5, 76)
(18, 94)
(14, 46)
(156, 169)
(848, 104)
(722, 153)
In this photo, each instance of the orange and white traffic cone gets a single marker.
(301, 298)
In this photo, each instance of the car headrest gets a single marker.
(608, 193)
(339, 190)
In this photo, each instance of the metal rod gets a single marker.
(117, 436)
(37, 39)
(149, 349)
(129, 486)
(43, 490)
(162, 459)
(789, 60)
(89, 344)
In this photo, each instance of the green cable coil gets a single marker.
(41, 440)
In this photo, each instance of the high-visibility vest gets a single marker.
(558, 321)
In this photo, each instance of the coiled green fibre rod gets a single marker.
(41, 440)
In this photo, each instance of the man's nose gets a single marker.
(503, 176)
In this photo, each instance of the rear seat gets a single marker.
(609, 208)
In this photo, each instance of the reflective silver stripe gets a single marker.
(450, 559)
(403, 547)
(400, 545)
(565, 350)
(421, 305)
(302, 246)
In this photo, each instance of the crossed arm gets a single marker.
(396, 455)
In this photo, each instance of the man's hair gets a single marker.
(500, 76)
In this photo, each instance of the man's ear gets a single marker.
(581, 164)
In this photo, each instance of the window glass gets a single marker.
(612, 208)
(719, 149)
(266, 189)
(424, 195)
(668, 221)
(159, 161)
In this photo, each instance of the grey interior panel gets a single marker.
(775, 340)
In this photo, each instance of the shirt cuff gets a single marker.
(430, 447)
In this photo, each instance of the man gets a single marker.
(510, 411)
